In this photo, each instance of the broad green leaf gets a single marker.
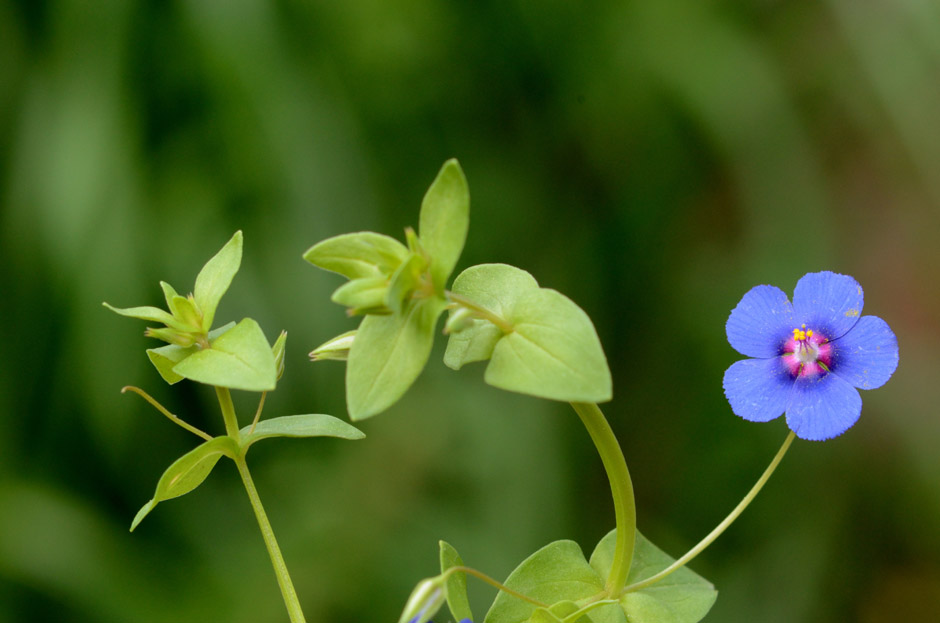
(681, 597)
(456, 584)
(240, 358)
(150, 314)
(309, 425)
(557, 572)
(165, 358)
(357, 255)
(388, 354)
(445, 218)
(362, 294)
(188, 472)
(496, 288)
(552, 352)
(405, 281)
(215, 277)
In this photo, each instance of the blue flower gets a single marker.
(809, 356)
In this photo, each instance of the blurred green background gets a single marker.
(652, 159)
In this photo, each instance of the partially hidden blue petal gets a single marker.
(758, 389)
(828, 302)
(867, 355)
(760, 323)
(823, 407)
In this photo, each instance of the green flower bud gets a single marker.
(336, 348)
(179, 338)
(426, 599)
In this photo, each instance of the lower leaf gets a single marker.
(681, 597)
(188, 472)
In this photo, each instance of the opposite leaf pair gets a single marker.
(236, 356)
(537, 340)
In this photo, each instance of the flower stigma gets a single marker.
(807, 353)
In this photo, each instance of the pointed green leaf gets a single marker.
(552, 352)
(681, 597)
(215, 277)
(496, 288)
(309, 425)
(240, 358)
(557, 572)
(169, 293)
(150, 314)
(388, 354)
(445, 218)
(188, 472)
(456, 586)
(363, 294)
(357, 255)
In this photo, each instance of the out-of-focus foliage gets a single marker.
(652, 160)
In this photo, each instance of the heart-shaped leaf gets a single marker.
(309, 425)
(496, 288)
(388, 354)
(213, 280)
(240, 358)
(557, 572)
(358, 255)
(552, 352)
(681, 597)
(456, 586)
(188, 472)
(445, 218)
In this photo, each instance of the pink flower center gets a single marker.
(807, 353)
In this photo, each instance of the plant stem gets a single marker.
(267, 533)
(277, 560)
(714, 534)
(159, 407)
(620, 485)
(494, 583)
(228, 413)
(480, 311)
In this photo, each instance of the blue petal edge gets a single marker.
(760, 322)
(867, 355)
(829, 302)
(758, 389)
(823, 407)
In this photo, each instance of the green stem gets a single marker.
(480, 311)
(228, 413)
(494, 583)
(714, 534)
(620, 485)
(159, 407)
(277, 560)
(267, 533)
